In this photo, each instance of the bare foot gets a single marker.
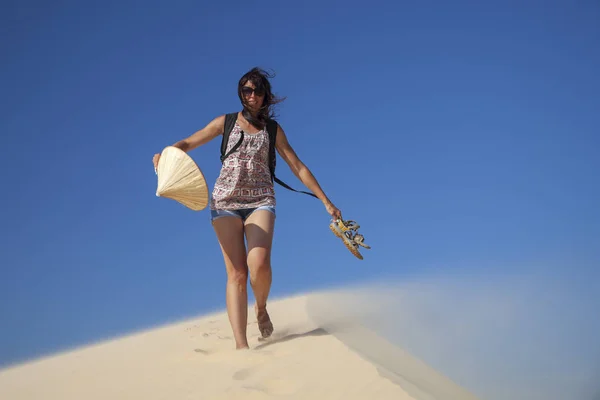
(264, 322)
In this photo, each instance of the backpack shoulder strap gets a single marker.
(272, 126)
(229, 124)
(272, 131)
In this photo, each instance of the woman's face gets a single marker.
(253, 97)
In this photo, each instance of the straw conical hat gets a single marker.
(180, 179)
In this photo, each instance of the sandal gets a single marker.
(348, 232)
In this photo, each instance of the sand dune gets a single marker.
(309, 356)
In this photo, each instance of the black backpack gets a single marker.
(271, 129)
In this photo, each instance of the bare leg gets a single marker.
(259, 234)
(230, 233)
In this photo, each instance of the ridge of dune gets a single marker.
(341, 314)
(195, 359)
(381, 340)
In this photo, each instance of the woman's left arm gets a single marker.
(302, 172)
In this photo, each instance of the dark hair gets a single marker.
(260, 79)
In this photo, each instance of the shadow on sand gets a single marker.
(288, 337)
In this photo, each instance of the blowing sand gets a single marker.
(308, 357)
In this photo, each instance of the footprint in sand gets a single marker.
(243, 374)
(216, 332)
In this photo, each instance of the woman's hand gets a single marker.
(333, 210)
(155, 161)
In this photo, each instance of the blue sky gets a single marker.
(462, 136)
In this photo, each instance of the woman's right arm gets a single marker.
(204, 135)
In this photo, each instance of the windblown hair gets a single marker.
(260, 79)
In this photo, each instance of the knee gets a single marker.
(238, 276)
(259, 265)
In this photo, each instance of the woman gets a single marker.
(243, 200)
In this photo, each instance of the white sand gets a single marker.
(195, 359)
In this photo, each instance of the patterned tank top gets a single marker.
(245, 177)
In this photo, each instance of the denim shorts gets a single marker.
(241, 213)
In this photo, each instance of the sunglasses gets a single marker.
(247, 91)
